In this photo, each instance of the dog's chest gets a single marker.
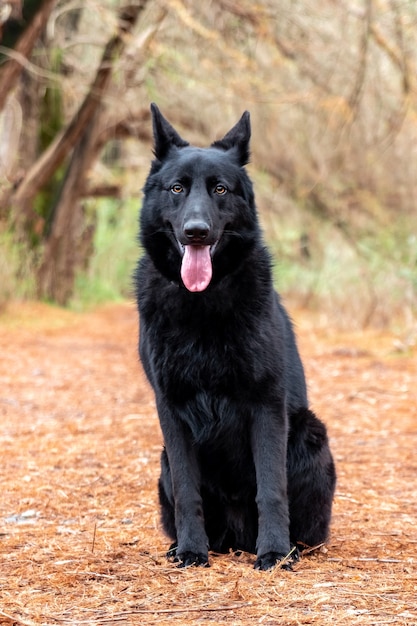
(202, 344)
(214, 419)
(210, 358)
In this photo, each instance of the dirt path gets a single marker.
(79, 536)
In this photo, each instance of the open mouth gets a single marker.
(196, 265)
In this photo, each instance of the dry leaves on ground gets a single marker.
(79, 531)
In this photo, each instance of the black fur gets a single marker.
(246, 465)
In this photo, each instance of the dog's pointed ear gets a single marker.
(237, 138)
(164, 134)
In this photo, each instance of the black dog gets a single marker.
(246, 464)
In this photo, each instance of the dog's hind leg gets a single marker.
(311, 480)
(215, 522)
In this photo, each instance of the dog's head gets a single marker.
(198, 218)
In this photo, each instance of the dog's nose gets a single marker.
(196, 230)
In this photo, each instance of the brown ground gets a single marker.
(79, 534)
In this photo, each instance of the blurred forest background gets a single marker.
(332, 90)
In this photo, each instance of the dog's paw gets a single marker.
(172, 552)
(187, 559)
(270, 560)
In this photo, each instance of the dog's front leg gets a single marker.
(269, 448)
(192, 541)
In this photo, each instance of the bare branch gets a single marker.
(362, 61)
(53, 157)
(11, 70)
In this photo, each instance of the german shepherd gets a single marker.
(246, 464)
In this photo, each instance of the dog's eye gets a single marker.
(177, 188)
(220, 190)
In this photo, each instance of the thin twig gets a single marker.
(29, 66)
(366, 559)
(309, 549)
(94, 537)
(195, 609)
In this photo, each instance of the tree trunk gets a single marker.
(11, 70)
(53, 157)
(68, 239)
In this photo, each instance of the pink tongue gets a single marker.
(196, 270)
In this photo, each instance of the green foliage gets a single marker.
(353, 284)
(109, 274)
(51, 121)
(16, 270)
